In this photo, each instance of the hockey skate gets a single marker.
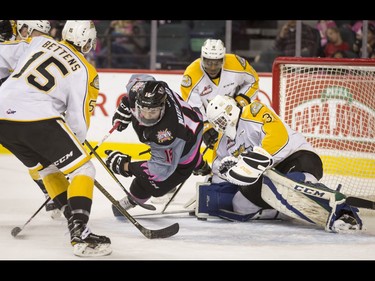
(126, 203)
(52, 209)
(346, 223)
(87, 244)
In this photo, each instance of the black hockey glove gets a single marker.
(210, 135)
(122, 115)
(242, 100)
(116, 161)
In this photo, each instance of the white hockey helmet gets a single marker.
(223, 114)
(43, 26)
(213, 49)
(81, 33)
(212, 56)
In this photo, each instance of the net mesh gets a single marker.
(333, 106)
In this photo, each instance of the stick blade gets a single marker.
(15, 231)
(160, 233)
(360, 202)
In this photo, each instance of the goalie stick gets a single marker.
(151, 234)
(16, 230)
(143, 205)
(182, 211)
(360, 202)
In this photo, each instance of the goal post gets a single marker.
(332, 103)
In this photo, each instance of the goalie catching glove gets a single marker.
(116, 162)
(122, 115)
(247, 168)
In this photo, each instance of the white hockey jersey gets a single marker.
(237, 76)
(50, 79)
(259, 125)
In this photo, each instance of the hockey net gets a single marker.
(332, 103)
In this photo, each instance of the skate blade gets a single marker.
(85, 250)
(55, 214)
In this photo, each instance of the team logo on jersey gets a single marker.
(239, 150)
(95, 82)
(242, 61)
(186, 81)
(206, 90)
(164, 135)
(255, 107)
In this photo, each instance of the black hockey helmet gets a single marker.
(149, 101)
(6, 30)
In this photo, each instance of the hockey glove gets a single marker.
(122, 115)
(116, 162)
(210, 135)
(242, 100)
(249, 167)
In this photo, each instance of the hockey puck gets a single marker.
(15, 231)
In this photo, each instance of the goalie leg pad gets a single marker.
(313, 203)
(295, 199)
(212, 198)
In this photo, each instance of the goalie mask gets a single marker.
(149, 101)
(223, 114)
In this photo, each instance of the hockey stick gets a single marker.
(182, 211)
(146, 206)
(360, 202)
(180, 186)
(151, 234)
(16, 230)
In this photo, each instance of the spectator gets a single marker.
(357, 46)
(335, 42)
(286, 40)
(322, 26)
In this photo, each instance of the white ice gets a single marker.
(46, 239)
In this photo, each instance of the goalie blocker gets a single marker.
(310, 203)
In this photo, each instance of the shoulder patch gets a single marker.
(186, 81)
(242, 61)
(255, 107)
(164, 135)
(95, 82)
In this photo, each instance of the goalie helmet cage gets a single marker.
(332, 103)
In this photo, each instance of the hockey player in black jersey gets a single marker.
(172, 129)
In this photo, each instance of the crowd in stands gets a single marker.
(126, 43)
(328, 38)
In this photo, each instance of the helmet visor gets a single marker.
(148, 116)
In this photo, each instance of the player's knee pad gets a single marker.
(54, 181)
(87, 169)
(51, 169)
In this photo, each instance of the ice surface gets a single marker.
(47, 239)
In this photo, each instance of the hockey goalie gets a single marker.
(265, 170)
